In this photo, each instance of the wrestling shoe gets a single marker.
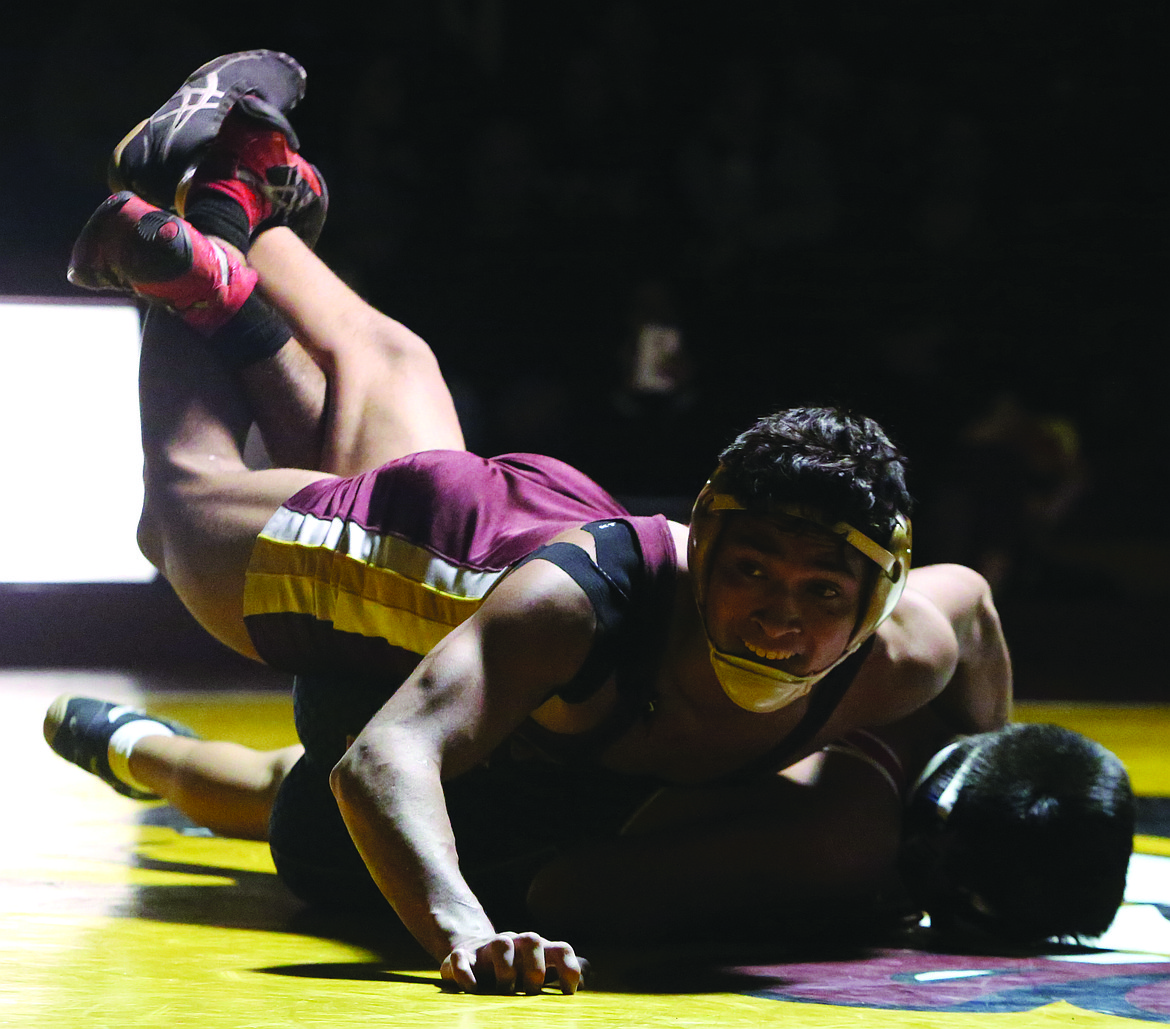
(158, 157)
(80, 729)
(130, 246)
(257, 166)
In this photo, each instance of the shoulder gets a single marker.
(648, 549)
(537, 622)
(541, 583)
(941, 606)
(918, 649)
(954, 590)
(914, 655)
(680, 538)
(924, 629)
(919, 645)
(918, 640)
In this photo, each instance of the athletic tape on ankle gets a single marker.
(122, 743)
(215, 214)
(253, 333)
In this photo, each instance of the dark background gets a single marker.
(950, 217)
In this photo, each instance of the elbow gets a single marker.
(986, 629)
(380, 765)
(985, 605)
(998, 663)
(341, 782)
(349, 776)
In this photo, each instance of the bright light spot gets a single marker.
(933, 977)
(1138, 927)
(1111, 957)
(72, 454)
(1148, 881)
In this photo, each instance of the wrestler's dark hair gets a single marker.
(1041, 831)
(840, 463)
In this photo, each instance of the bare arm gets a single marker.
(978, 697)
(801, 854)
(466, 696)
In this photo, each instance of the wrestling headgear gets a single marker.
(751, 684)
(934, 860)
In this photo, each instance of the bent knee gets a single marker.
(391, 345)
(149, 538)
(165, 511)
(149, 534)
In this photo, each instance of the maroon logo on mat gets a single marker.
(911, 980)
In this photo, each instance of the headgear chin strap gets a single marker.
(756, 687)
(751, 684)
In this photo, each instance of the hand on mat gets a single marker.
(510, 962)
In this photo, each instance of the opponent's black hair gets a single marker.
(823, 457)
(1041, 831)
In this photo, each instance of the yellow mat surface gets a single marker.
(112, 913)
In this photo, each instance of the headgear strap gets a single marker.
(756, 686)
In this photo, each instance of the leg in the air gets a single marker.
(371, 390)
(386, 395)
(203, 506)
(353, 391)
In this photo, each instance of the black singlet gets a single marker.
(629, 644)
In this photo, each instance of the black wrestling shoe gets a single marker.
(158, 157)
(79, 729)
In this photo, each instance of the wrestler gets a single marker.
(451, 616)
(1007, 838)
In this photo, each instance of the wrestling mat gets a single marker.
(114, 913)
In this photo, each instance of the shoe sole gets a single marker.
(55, 718)
(139, 272)
(79, 260)
(287, 86)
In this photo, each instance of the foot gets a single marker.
(255, 164)
(158, 157)
(80, 729)
(130, 246)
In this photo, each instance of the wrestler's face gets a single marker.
(781, 595)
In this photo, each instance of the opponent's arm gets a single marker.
(978, 697)
(466, 696)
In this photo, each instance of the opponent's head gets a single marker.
(814, 486)
(1021, 834)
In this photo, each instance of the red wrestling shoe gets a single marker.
(130, 246)
(257, 165)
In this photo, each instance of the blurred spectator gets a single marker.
(649, 434)
(1017, 478)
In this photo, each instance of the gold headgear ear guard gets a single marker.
(759, 687)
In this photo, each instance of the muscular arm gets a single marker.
(772, 856)
(466, 696)
(978, 696)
